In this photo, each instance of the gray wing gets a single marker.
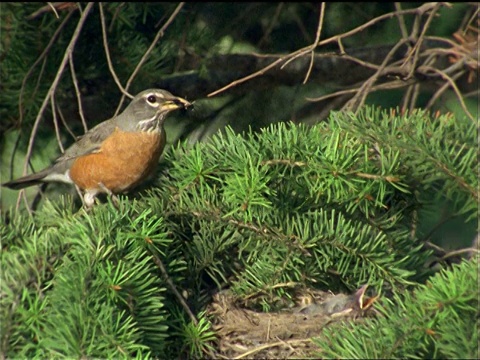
(87, 144)
(90, 142)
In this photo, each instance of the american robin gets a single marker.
(117, 154)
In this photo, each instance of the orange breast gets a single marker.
(124, 160)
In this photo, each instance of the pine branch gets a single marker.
(436, 320)
(329, 206)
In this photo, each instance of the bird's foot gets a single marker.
(115, 200)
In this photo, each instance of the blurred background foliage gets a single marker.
(205, 46)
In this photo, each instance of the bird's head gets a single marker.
(148, 110)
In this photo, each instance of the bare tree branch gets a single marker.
(149, 50)
(53, 87)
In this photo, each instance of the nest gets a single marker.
(246, 333)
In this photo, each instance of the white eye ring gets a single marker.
(152, 99)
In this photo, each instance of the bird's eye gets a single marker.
(152, 99)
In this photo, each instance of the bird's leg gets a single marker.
(84, 197)
(89, 198)
(79, 192)
(114, 197)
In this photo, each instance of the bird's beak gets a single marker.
(176, 103)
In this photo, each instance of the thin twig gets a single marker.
(453, 253)
(248, 77)
(40, 58)
(359, 99)
(170, 283)
(474, 94)
(250, 352)
(440, 92)
(363, 63)
(180, 298)
(414, 54)
(115, 15)
(406, 100)
(416, 93)
(107, 53)
(473, 17)
(55, 124)
(317, 40)
(455, 89)
(388, 178)
(396, 84)
(160, 34)
(77, 92)
(65, 124)
(440, 39)
(53, 87)
(414, 90)
(53, 9)
(60, 5)
(401, 20)
(272, 23)
(37, 85)
(39, 78)
(284, 162)
(301, 52)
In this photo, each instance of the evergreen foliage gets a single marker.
(330, 206)
(439, 320)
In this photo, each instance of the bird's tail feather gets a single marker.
(26, 181)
